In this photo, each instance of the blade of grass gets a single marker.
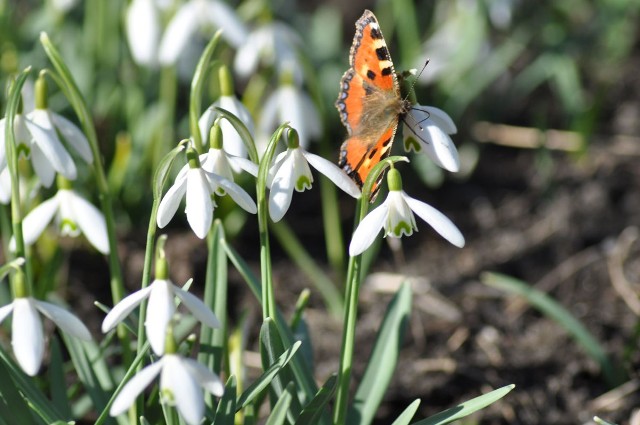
(560, 315)
(408, 413)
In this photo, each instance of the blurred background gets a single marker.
(545, 96)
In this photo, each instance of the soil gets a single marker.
(567, 230)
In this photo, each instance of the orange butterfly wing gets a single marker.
(369, 102)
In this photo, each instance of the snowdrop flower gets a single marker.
(72, 214)
(217, 161)
(395, 215)
(161, 308)
(63, 6)
(195, 15)
(428, 128)
(27, 336)
(276, 44)
(199, 185)
(290, 104)
(5, 185)
(181, 380)
(233, 143)
(143, 31)
(291, 171)
(48, 154)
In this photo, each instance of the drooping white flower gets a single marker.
(232, 142)
(193, 16)
(199, 185)
(219, 162)
(395, 216)
(143, 31)
(290, 104)
(290, 171)
(181, 383)
(428, 128)
(27, 337)
(275, 44)
(72, 214)
(5, 185)
(161, 308)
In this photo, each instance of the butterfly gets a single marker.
(369, 102)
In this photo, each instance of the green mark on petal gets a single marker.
(411, 143)
(69, 227)
(303, 183)
(400, 228)
(23, 150)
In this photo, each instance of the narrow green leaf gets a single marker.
(265, 379)
(560, 315)
(226, 410)
(162, 172)
(281, 409)
(408, 413)
(466, 408)
(315, 408)
(383, 360)
(197, 83)
(57, 381)
(12, 401)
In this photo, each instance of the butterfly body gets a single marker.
(369, 101)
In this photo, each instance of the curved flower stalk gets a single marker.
(181, 383)
(290, 104)
(143, 31)
(72, 214)
(290, 170)
(193, 16)
(233, 143)
(396, 216)
(27, 336)
(276, 44)
(199, 185)
(428, 128)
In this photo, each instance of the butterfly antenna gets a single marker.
(416, 79)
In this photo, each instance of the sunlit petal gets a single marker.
(171, 201)
(198, 308)
(176, 36)
(184, 389)
(236, 193)
(91, 222)
(159, 313)
(333, 173)
(437, 220)
(224, 17)
(66, 321)
(282, 190)
(5, 311)
(143, 31)
(207, 379)
(44, 135)
(73, 136)
(123, 308)
(368, 229)
(127, 396)
(199, 203)
(27, 338)
(35, 222)
(42, 167)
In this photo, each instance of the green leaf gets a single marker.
(199, 77)
(162, 172)
(226, 410)
(408, 413)
(281, 409)
(264, 380)
(11, 400)
(315, 408)
(57, 381)
(466, 408)
(559, 314)
(384, 358)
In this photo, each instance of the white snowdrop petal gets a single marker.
(171, 201)
(123, 308)
(178, 33)
(143, 31)
(63, 319)
(437, 220)
(273, 170)
(135, 386)
(91, 222)
(232, 142)
(244, 164)
(198, 308)
(440, 118)
(5, 186)
(160, 310)
(238, 194)
(73, 136)
(184, 388)
(199, 204)
(35, 222)
(5, 311)
(368, 229)
(333, 173)
(441, 149)
(27, 338)
(205, 122)
(282, 190)
(44, 135)
(224, 17)
(248, 54)
(42, 167)
(207, 379)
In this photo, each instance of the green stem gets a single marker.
(167, 97)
